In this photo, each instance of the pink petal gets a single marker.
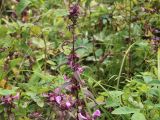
(96, 114)
(68, 104)
(65, 77)
(16, 97)
(80, 69)
(45, 95)
(81, 117)
(51, 98)
(58, 99)
(57, 90)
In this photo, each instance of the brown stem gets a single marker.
(73, 59)
(129, 31)
(45, 54)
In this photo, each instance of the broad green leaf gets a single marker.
(115, 93)
(157, 105)
(35, 30)
(60, 12)
(100, 99)
(8, 92)
(36, 98)
(147, 78)
(112, 102)
(135, 103)
(138, 116)
(66, 50)
(22, 5)
(154, 82)
(113, 98)
(125, 110)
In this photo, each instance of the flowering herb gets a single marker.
(71, 99)
(8, 100)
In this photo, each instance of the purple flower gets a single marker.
(57, 90)
(70, 58)
(9, 99)
(6, 99)
(156, 38)
(96, 114)
(74, 11)
(68, 104)
(80, 69)
(16, 97)
(81, 117)
(58, 99)
(74, 66)
(51, 98)
(62, 101)
(66, 78)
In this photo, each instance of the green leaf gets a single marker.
(3, 31)
(36, 98)
(61, 12)
(35, 30)
(22, 5)
(115, 93)
(113, 98)
(125, 110)
(1, 109)
(154, 82)
(112, 102)
(138, 116)
(15, 62)
(157, 105)
(8, 92)
(66, 50)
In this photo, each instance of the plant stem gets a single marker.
(45, 55)
(129, 31)
(88, 109)
(73, 59)
(122, 64)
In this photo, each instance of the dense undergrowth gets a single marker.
(79, 60)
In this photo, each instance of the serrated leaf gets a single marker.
(22, 5)
(138, 116)
(125, 110)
